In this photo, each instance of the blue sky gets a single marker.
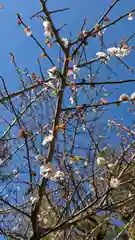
(26, 51)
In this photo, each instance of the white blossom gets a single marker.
(110, 165)
(132, 97)
(70, 73)
(115, 182)
(85, 33)
(48, 29)
(52, 72)
(94, 109)
(47, 170)
(102, 57)
(129, 194)
(71, 99)
(124, 97)
(15, 171)
(47, 139)
(112, 51)
(83, 127)
(59, 175)
(119, 52)
(75, 71)
(131, 16)
(28, 31)
(33, 199)
(86, 163)
(100, 160)
(65, 42)
(29, 34)
(124, 51)
(101, 54)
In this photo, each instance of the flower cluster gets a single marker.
(119, 51)
(125, 97)
(48, 170)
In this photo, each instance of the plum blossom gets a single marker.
(131, 16)
(119, 52)
(115, 182)
(101, 54)
(112, 51)
(28, 31)
(70, 73)
(84, 127)
(100, 160)
(110, 165)
(47, 29)
(71, 99)
(47, 139)
(102, 57)
(15, 171)
(47, 170)
(65, 42)
(124, 51)
(59, 175)
(75, 71)
(124, 97)
(85, 33)
(52, 72)
(132, 97)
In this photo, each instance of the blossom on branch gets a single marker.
(28, 31)
(47, 170)
(102, 56)
(132, 97)
(71, 99)
(59, 175)
(124, 97)
(119, 52)
(48, 29)
(100, 160)
(52, 72)
(131, 16)
(114, 182)
(47, 139)
(65, 42)
(75, 71)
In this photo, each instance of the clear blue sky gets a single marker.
(14, 40)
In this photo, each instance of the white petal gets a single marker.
(47, 139)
